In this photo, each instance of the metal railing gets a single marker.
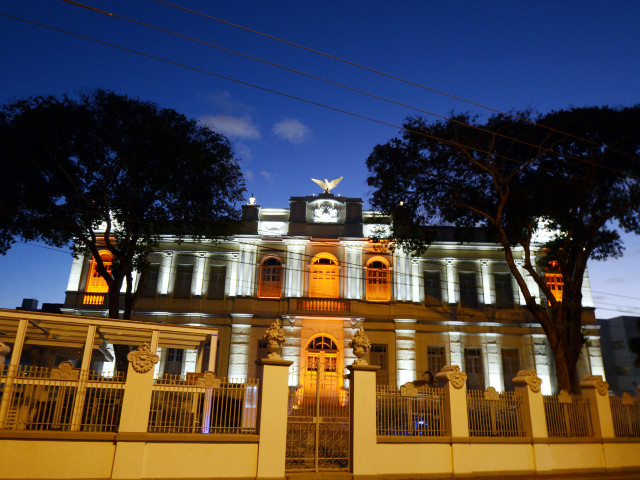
(323, 305)
(567, 415)
(493, 414)
(93, 299)
(410, 410)
(625, 412)
(63, 399)
(182, 404)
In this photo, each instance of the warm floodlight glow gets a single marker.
(252, 200)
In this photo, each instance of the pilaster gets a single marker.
(75, 277)
(454, 383)
(528, 385)
(486, 281)
(362, 407)
(451, 281)
(198, 274)
(416, 291)
(239, 348)
(596, 390)
(405, 350)
(272, 419)
(166, 271)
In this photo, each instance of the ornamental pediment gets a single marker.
(325, 211)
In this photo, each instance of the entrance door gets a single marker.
(318, 422)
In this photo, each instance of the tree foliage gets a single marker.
(105, 171)
(574, 172)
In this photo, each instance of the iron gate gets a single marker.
(318, 421)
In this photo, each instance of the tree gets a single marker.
(573, 173)
(108, 172)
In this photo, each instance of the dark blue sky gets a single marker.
(502, 54)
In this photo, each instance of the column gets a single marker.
(451, 281)
(405, 350)
(362, 406)
(198, 274)
(75, 277)
(486, 281)
(415, 280)
(165, 273)
(239, 347)
(273, 418)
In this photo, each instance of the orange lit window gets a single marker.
(554, 280)
(324, 276)
(378, 280)
(95, 282)
(270, 275)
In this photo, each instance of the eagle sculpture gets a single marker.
(327, 185)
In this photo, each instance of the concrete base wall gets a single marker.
(427, 460)
(59, 459)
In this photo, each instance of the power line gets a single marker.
(331, 82)
(388, 75)
(284, 94)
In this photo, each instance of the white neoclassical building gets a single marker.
(315, 268)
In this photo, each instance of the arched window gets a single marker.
(270, 278)
(378, 280)
(554, 280)
(324, 276)
(95, 282)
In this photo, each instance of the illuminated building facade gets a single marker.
(315, 268)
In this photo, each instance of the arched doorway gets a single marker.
(318, 420)
(323, 363)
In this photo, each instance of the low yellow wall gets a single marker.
(418, 460)
(200, 460)
(478, 458)
(558, 457)
(413, 458)
(59, 459)
(55, 459)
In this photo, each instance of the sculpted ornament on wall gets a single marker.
(274, 337)
(453, 374)
(65, 371)
(529, 378)
(325, 214)
(491, 394)
(564, 397)
(595, 381)
(143, 360)
(361, 345)
(208, 380)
